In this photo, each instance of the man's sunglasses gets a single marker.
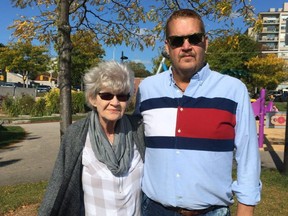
(109, 96)
(193, 39)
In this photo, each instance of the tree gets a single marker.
(114, 22)
(139, 69)
(231, 52)
(87, 52)
(267, 72)
(228, 55)
(24, 58)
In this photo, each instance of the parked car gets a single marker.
(8, 84)
(43, 88)
(275, 93)
(278, 95)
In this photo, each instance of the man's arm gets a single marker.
(247, 187)
(244, 210)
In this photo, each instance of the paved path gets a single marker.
(32, 159)
(272, 153)
(272, 158)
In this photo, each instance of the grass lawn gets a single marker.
(11, 134)
(16, 196)
(274, 194)
(281, 106)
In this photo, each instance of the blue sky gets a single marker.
(8, 14)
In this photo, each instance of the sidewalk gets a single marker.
(272, 153)
(33, 159)
(272, 157)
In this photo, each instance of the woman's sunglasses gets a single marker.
(109, 96)
(193, 39)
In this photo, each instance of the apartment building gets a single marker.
(274, 35)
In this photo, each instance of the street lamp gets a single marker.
(123, 57)
(25, 73)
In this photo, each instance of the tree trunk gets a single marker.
(64, 51)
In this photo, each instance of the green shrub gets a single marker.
(39, 108)
(52, 99)
(47, 105)
(6, 103)
(19, 106)
(26, 104)
(11, 106)
(78, 102)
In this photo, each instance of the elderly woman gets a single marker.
(100, 162)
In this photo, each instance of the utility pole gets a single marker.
(25, 72)
(285, 162)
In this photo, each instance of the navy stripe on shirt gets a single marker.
(189, 102)
(190, 143)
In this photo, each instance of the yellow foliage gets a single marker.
(224, 7)
(233, 41)
(268, 64)
(24, 29)
(267, 71)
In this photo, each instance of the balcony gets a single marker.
(284, 48)
(268, 39)
(270, 30)
(271, 22)
(269, 47)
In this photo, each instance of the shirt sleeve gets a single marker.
(247, 186)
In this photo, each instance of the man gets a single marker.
(195, 119)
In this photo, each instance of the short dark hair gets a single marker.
(184, 13)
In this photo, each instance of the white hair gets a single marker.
(116, 77)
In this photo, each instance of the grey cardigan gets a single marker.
(64, 193)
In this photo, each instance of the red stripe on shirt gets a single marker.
(205, 123)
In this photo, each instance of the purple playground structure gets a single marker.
(260, 109)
